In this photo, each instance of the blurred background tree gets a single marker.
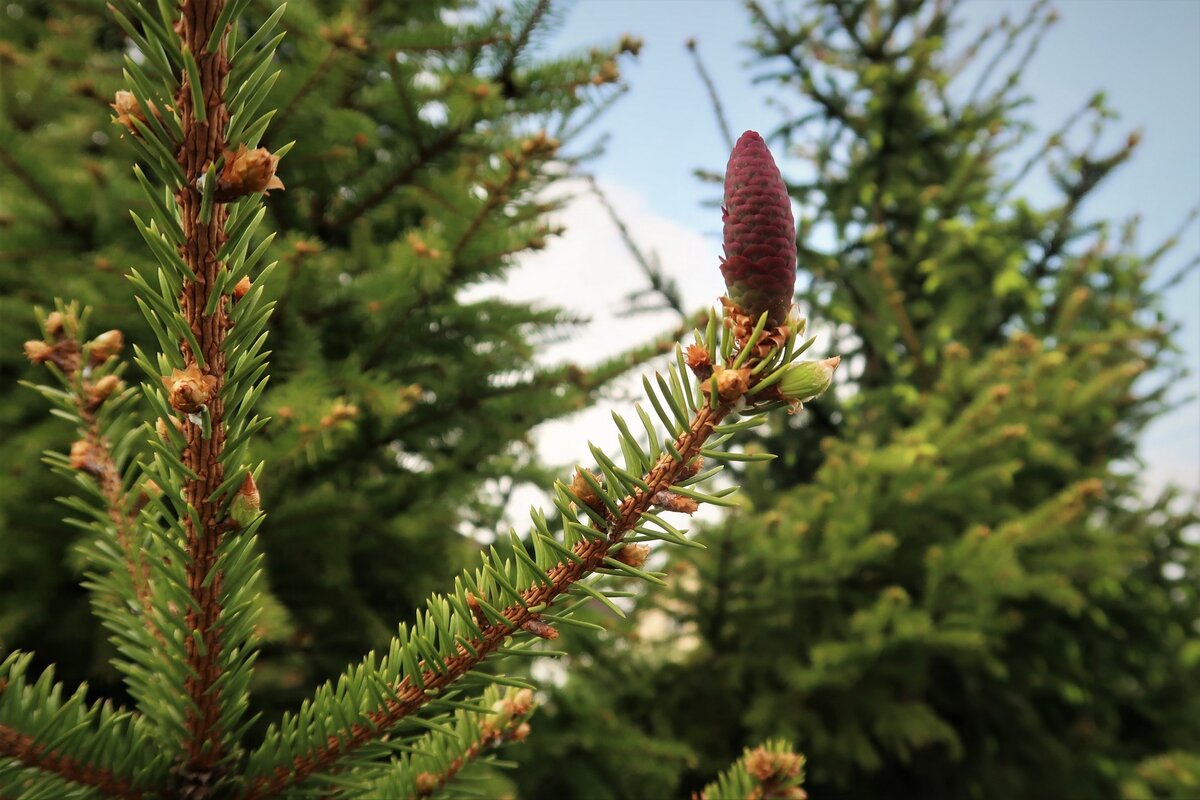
(949, 584)
(426, 135)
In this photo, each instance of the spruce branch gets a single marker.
(204, 119)
(744, 365)
(94, 397)
(442, 144)
(771, 771)
(440, 755)
(499, 193)
(48, 736)
(208, 317)
(587, 557)
(504, 75)
(64, 220)
(29, 752)
(622, 505)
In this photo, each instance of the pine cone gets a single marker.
(760, 236)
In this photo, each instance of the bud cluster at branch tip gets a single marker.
(104, 347)
(759, 264)
(60, 347)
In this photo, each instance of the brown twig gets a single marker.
(108, 477)
(280, 121)
(713, 97)
(428, 783)
(497, 196)
(505, 73)
(28, 752)
(894, 297)
(659, 283)
(203, 143)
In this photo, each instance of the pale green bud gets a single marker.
(246, 504)
(808, 380)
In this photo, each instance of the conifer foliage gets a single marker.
(949, 584)
(768, 772)
(169, 497)
(400, 399)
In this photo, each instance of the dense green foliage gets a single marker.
(949, 584)
(391, 429)
(164, 469)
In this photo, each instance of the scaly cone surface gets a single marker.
(759, 264)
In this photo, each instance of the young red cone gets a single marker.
(760, 235)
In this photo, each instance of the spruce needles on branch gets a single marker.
(175, 569)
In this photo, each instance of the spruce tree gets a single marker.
(399, 415)
(165, 469)
(949, 584)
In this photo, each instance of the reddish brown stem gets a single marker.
(108, 477)
(203, 143)
(25, 750)
(434, 782)
(408, 698)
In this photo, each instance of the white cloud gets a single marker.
(589, 273)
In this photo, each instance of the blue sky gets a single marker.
(1143, 53)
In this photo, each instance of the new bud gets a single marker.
(63, 354)
(101, 390)
(160, 427)
(104, 347)
(38, 351)
(55, 323)
(808, 379)
(128, 109)
(87, 457)
(732, 383)
(246, 505)
(247, 172)
(634, 555)
(189, 390)
(582, 489)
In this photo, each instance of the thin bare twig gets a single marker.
(659, 283)
(713, 97)
(109, 479)
(505, 73)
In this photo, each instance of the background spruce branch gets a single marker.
(771, 771)
(916, 597)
